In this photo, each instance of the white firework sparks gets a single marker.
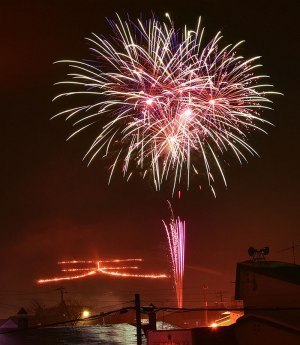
(165, 104)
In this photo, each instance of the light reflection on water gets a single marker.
(87, 335)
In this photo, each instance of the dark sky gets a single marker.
(54, 207)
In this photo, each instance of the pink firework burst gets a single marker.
(176, 239)
(164, 103)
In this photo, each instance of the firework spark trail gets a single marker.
(77, 269)
(96, 261)
(98, 268)
(106, 268)
(176, 240)
(130, 275)
(76, 262)
(57, 279)
(165, 103)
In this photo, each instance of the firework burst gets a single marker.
(176, 240)
(165, 104)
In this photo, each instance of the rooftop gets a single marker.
(276, 269)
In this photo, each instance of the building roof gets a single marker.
(223, 335)
(267, 320)
(275, 269)
(7, 324)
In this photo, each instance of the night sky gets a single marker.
(55, 207)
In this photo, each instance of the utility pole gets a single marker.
(220, 295)
(63, 306)
(205, 287)
(294, 246)
(137, 304)
(62, 292)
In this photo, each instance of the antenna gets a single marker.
(293, 247)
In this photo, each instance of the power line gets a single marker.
(154, 309)
(91, 318)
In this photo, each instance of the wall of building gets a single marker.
(256, 332)
(264, 291)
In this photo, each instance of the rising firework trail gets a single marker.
(176, 239)
(164, 103)
(99, 267)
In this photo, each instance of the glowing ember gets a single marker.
(99, 268)
(176, 239)
(166, 103)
